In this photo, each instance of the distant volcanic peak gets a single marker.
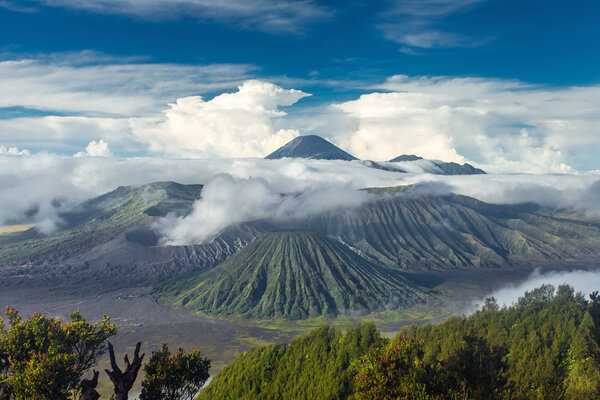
(445, 168)
(452, 168)
(406, 157)
(312, 147)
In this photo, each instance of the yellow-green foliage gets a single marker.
(543, 347)
(314, 366)
(45, 358)
(551, 340)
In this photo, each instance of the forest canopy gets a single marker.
(545, 346)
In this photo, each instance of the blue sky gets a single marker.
(343, 53)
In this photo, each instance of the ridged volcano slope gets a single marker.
(417, 232)
(291, 274)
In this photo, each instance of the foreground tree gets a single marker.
(124, 380)
(46, 358)
(175, 377)
(475, 371)
(88, 388)
(393, 372)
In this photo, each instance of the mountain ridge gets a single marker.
(113, 240)
(311, 147)
(291, 274)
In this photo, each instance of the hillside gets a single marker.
(312, 366)
(293, 275)
(419, 231)
(110, 240)
(312, 147)
(545, 346)
(409, 163)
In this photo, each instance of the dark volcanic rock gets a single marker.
(313, 147)
(406, 157)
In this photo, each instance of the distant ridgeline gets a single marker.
(545, 346)
(113, 240)
(315, 147)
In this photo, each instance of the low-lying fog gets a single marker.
(36, 188)
(584, 281)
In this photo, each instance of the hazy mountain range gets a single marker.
(345, 258)
(315, 147)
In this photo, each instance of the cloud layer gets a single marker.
(63, 102)
(287, 16)
(582, 281)
(240, 124)
(501, 125)
(36, 188)
(226, 201)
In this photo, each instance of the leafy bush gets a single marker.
(175, 377)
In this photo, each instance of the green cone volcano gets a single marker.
(294, 275)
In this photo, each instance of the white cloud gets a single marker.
(68, 133)
(582, 281)
(267, 15)
(240, 124)
(390, 124)
(566, 192)
(99, 85)
(96, 149)
(12, 6)
(501, 125)
(414, 23)
(424, 38)
(51, 183)
(226, 201)
(13, 151)
(142, 108)
(430, 8)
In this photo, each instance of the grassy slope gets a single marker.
(95, 221)
(453, 232)
(291, 274)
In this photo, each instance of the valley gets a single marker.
(403, 255)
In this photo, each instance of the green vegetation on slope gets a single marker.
(546, 346)
(551, 339)
(294, 275)
(416, 230)
(98, 220)
(314, 366)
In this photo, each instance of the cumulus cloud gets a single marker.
(390, 124)
(13, 151)
(239, 124)
(96, 149)
(287, 16)
(226, 201)
(504, 126)
(62, 102)
(581, 280)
